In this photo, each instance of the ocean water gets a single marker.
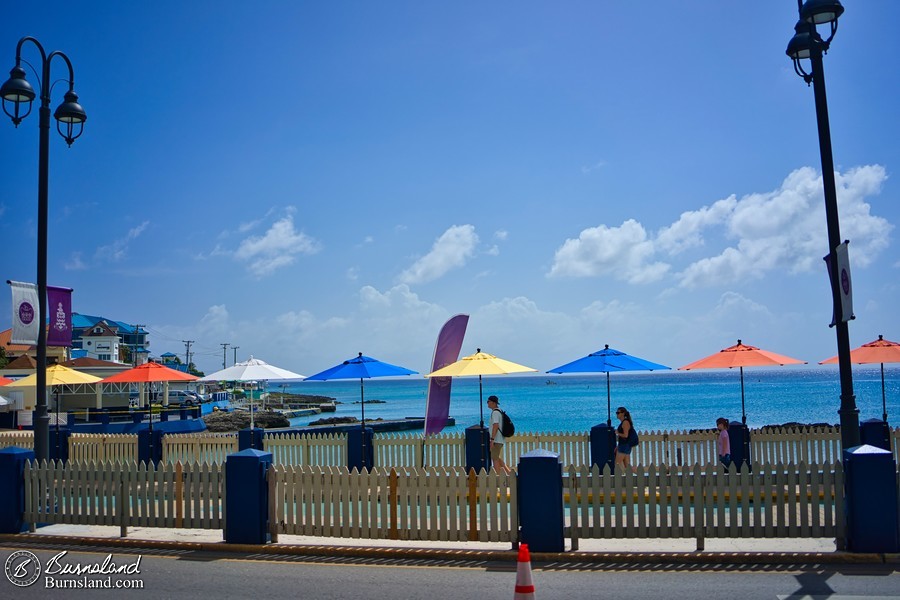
(659, 400)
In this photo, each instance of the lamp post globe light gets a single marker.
(807, 44)
(16, 95)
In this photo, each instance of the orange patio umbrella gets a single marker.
(742, 355)
(149, 373)
(880, 351)
(4, 380)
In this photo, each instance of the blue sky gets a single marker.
(309, 180)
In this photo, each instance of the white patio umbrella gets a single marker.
(252, 370)
(6, 404)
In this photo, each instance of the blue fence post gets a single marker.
(478, 448)
(250, 439)
(12, 482)
(148, 452)
(360, 451)
(739, 439)
(540, 494)
(247, 497)
(870, 487)
(603, 445)
(875, 432)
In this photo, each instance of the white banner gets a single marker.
(843, 269)
(25, 313)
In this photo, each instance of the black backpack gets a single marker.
(633, 437)
(507, 429)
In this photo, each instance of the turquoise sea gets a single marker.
(666, 400)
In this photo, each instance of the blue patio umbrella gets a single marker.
(361, 367)
(606, 361)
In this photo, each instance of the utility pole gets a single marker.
(224, 353)
(134, 345)
(187, 352)
(235, 348)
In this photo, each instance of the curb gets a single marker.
(623, 558)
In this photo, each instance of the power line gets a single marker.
(224, 355)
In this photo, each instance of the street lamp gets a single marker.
(807, 44)
(70, 118)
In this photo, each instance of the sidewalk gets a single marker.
(660, 551)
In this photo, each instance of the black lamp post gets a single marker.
(70, 119)
(808, 44)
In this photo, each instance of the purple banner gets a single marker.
(59, 307)
(446, 352)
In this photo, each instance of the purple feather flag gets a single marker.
(446, 351)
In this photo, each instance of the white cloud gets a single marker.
(118, 250)
(276, 248)
(450, 251)
(623, 252)
(501, 235)
(686, 231)
(596, 166)
(75, 263)
(784, 229)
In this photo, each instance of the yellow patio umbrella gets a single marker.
(480, 363)
(56, 375)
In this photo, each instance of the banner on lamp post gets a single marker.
(24, 313)
(59, 332)
(843, 282)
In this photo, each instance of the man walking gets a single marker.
(497, 438)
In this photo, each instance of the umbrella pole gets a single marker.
(743, 410)
(480, 401)
(608, 403)
(57, 420)
(481, 412)
(883, 400)
(362, 433)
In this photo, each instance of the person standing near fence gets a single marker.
(623, 437)
(723, 442)
(497, 438)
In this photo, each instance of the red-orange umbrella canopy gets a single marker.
(741, 355)
(880, 351)
(148, 373)
(4, 380)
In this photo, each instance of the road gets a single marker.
(188, 574)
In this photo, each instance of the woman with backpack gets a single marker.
(624, 437)
(496, 433)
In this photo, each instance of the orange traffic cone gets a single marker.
(524, 583)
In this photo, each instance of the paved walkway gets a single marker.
(717, 551)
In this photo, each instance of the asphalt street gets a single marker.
(173, 573)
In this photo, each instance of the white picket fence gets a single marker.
(125, 494)
(208, 447)
(102, 447)
(820, 445)
(701, 501)
(774, 500)
(407, 503)
(19, 439)
(320, 449)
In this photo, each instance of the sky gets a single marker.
(310, 180)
